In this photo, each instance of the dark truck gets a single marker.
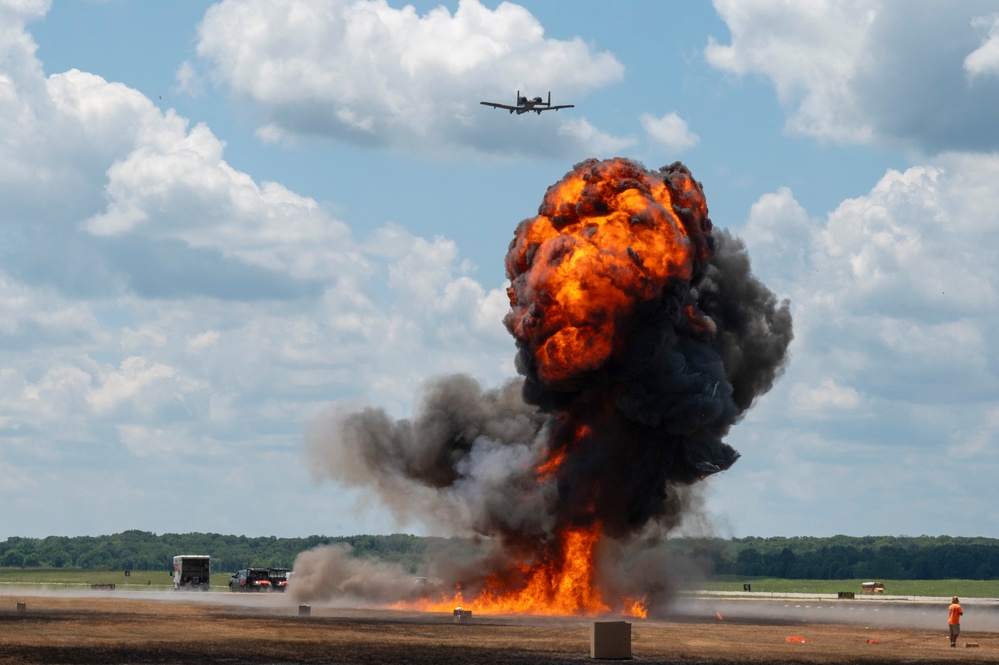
(278, 578)
(250, 579)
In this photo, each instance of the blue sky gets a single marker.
(220, 219)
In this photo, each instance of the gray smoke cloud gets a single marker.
(330, 573)
(464, 463)
(691, 352)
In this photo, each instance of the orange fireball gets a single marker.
(607, 239)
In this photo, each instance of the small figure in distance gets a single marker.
(954, 613)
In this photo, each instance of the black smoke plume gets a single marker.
(636, 433)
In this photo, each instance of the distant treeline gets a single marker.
(848, 557)
(141, 550)
(834, 558)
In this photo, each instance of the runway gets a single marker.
(925, 612)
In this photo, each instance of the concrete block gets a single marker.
(610, 640)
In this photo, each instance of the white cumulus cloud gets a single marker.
(984, 60)
(826, 398)
(364, 72)
(669, 131)
(894, 296)
(870, 71)
(157, 301)
(809, 51)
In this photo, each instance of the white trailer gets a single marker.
(192, 571)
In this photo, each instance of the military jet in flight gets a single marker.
(525, 105)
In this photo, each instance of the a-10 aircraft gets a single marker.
(525, 105)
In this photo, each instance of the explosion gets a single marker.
(642, 337)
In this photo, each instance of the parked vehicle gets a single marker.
(250, 579)
(279, 578)
(872, 587)
(192, 572)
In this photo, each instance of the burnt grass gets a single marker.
(118, 629)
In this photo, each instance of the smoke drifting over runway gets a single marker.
(642, 337)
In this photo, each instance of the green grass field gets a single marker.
(137, 580)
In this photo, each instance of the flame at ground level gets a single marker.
(563, 586)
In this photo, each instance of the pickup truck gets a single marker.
(278, 578)
(250, 579)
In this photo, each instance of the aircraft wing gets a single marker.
(500, 106)
(555, 108)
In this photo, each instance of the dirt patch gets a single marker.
(74, 630)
